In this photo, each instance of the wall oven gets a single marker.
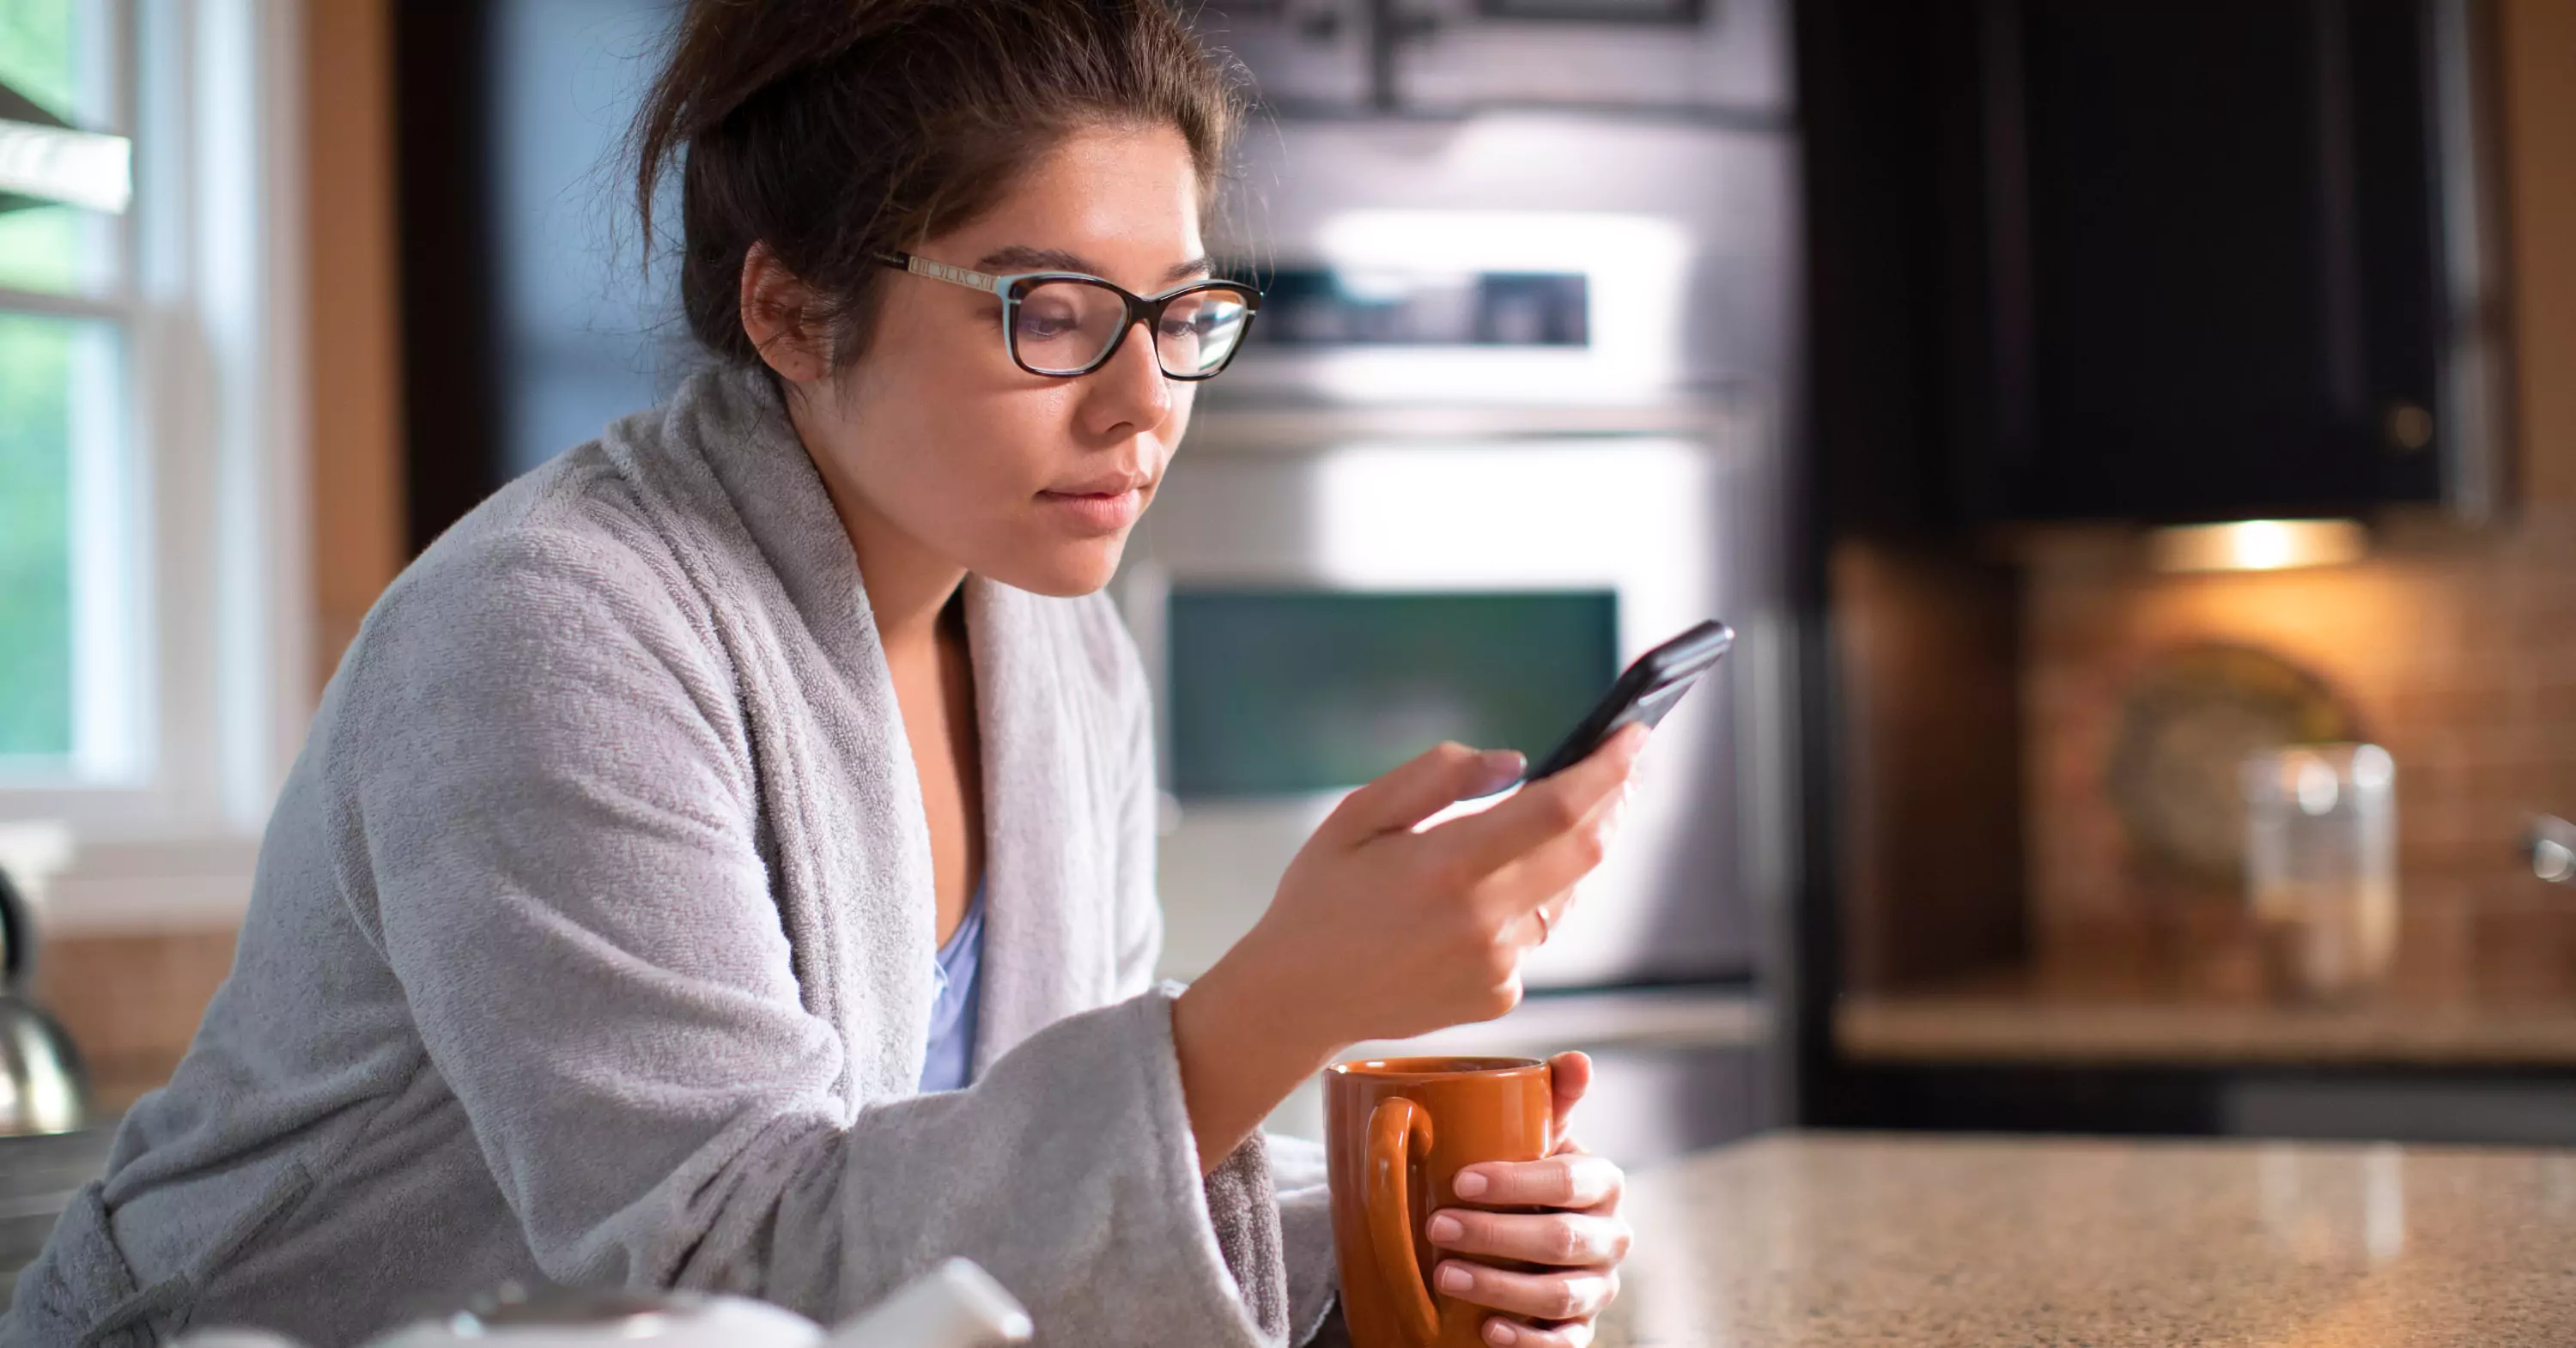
(1315, 614)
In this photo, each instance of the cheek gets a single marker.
(972, 466)
(950, 433)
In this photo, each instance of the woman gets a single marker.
(724, 860)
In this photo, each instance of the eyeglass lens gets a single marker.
(1067, 327)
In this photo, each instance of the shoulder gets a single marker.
(558, 587)
(575, 519)
(575, 528)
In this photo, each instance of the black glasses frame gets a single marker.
(1145, 309)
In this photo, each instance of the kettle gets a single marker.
(2553, 850)
(956, 1305)
(42, 1088)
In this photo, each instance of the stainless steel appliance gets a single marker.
(42, 1086)
(2553, 850)
(1708, 57)
(1318, 613)
(1511, 415)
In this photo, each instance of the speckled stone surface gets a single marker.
(1826, 1239)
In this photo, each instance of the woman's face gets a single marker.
(1026, 479)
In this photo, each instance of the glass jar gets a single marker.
(2321, 866)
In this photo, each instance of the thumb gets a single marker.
(1570, 1075)
(1421, 787)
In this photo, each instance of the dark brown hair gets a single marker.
(836, 130)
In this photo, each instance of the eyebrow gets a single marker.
(1020, 257)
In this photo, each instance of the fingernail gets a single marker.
(1501, 1332)
(1445, 1228)
(1468, 1184)
(1455, 1279)
(1502, 767)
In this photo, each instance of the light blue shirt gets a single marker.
(951, 1061)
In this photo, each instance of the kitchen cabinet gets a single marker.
(2174, 259)
(2114, 260)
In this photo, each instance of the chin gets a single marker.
(1068, 570)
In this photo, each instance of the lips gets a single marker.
(1110, 504)
(1107, 484)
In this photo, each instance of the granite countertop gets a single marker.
(1799, 1240)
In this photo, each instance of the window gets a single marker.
(152, 606)
(65, 318)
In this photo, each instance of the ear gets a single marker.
(782, 319)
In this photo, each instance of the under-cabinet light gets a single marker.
(2259, 545)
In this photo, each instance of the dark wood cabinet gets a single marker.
(2130, 260)
(2162, 259)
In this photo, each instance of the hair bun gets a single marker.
(834, 131)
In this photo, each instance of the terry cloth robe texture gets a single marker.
(592, 942)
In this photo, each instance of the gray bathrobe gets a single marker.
(592, 942)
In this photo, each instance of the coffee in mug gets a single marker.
(1396, 1133)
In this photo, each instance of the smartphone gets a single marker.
(1648, 690)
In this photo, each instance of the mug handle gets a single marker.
(1399, 1130)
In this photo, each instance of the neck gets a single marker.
(908, 583)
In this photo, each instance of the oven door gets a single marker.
(1312, 617)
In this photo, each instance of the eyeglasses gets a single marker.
(1065, 323)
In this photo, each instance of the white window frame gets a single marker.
(214, 498)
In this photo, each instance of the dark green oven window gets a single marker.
(1279, 692)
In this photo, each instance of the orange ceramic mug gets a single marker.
(1396, 1133)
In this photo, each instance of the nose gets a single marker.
(1128, 396)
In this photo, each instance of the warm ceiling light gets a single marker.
(2259, 545)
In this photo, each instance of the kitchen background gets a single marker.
(1906, 336)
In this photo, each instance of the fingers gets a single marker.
(1573, 1294)
(1570, 1240)
(1554, 868)
(1506, 1334)
(1568, 1180)
(1545, 810)
(1582, 1247)
(1420, 787)
(1545, 919)
(1554, 865)
(1569, 1075)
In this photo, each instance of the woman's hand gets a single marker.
(1382, 929)
(1394, 932)
(1580, 1241)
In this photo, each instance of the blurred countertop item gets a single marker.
(1817, 1239)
